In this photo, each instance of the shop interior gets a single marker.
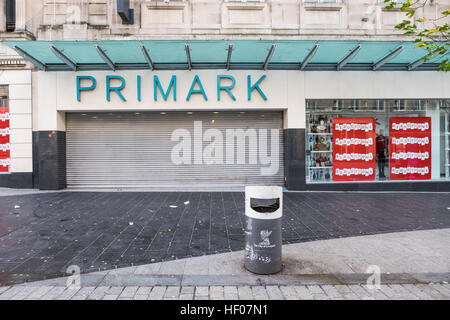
(319, 135)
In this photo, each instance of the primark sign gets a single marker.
(165, 90)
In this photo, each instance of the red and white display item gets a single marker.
(5, 153)
(410, 148)
(354, 149)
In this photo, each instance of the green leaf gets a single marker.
(411, 13)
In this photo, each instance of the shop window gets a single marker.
(4, 130)
(374, 140)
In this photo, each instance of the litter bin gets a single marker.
(263, 213)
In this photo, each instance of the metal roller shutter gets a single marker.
(133, 150)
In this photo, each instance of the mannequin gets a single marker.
(381, 144)
(323, 145)
(321, 127)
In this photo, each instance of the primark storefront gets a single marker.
(219, 115)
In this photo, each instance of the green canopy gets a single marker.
(224, 54)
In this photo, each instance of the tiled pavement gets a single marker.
(413, 266)
(41, 234)
(434, 291)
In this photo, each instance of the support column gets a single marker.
(294, 132)
(51, 158)
(49, 136)
(2, 15)
(434, 113)
(294, 159)
(21, 15)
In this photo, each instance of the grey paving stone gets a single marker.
(245, 293)
(22, 292)
(332, 292)
(201, 293)
(141, 280)
(230, 293)
(98, 293)
(83, 293)
(361, 292)
(315, 290)
(303, 293)
(141, 297)
(3, 289)
(187, 293)
(343, 289)
(289, 292)
(402, 293)
(187, 290)
(128, 292)
(274, 293)
(216, 293)
(376, 293)
(53, 293)
(111, 297)
(435, 294)
(417, 291)
(346, 292)
(38, 294)
(260, 293)
(157, 293)
(114, 290)
(320, 296)
(444, 289)
(143, 291)
(67, 294)
(172, 293)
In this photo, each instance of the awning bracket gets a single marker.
(61, 56)
(387, 58)
(188, 56)
(309, 56)
(348, 58)
(147, 57)
(33, 60)
(269, 56)
(230, 51)
(105, 58)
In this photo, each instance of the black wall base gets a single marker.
(294, 159)
(18, 180)
(295, 173)
(49, 160)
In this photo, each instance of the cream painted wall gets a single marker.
(285, 90)
(19, 82)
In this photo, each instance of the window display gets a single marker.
(354, 149)
(319, 149)
(410, 151)
(447, 144)
(4, 139)
(4, 130)
(407, 140)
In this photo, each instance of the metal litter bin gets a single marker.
(263, 213)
